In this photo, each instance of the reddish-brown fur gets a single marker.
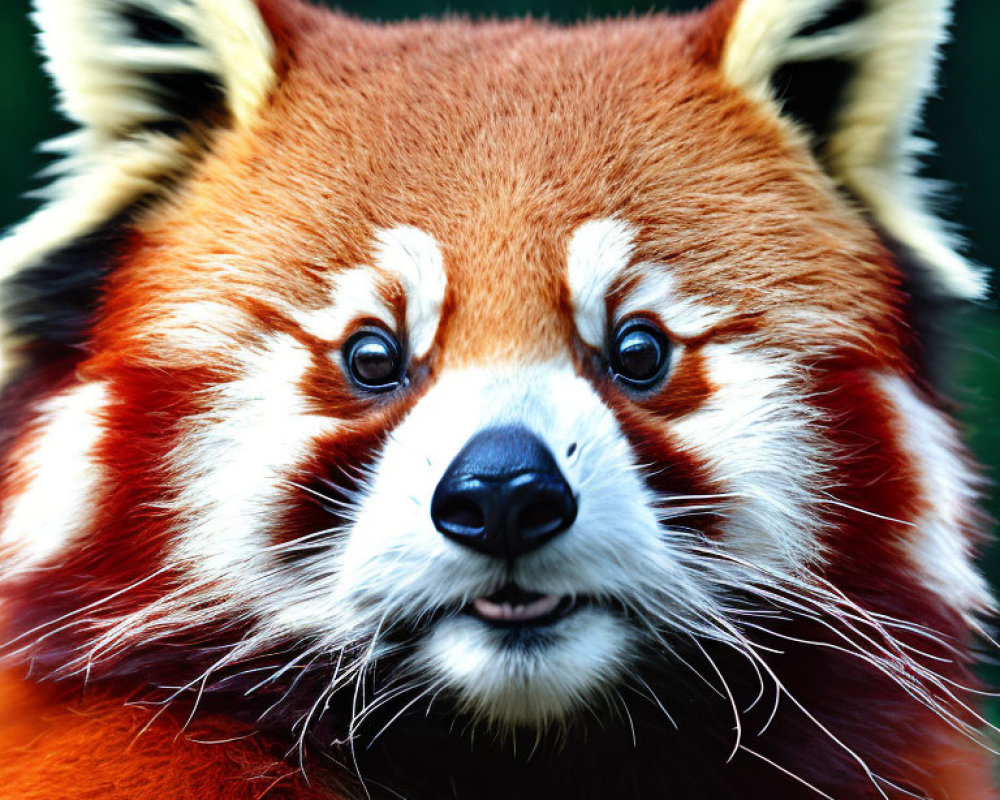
(96, 747)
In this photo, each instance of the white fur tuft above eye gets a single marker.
(415, 260)
(887, 52)
(599, 253)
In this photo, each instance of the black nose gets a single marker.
(503, 494)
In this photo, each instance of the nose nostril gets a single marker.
(463, 514)
(540, 518)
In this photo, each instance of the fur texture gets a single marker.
(223, 575)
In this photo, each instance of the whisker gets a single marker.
(656, 700)
(787, 772)
(729, 694)
(831, 502)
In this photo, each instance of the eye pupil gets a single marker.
(640, 354)
(373, 363)
(373, 360)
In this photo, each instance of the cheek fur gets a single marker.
(327, 491)
(902, 501)
(120, 563)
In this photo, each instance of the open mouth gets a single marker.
(512, 606)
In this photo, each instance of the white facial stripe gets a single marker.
(755, 435)
(63, 477)
(233, 463)
(353, 293)
(599, 253)
(655, 291)
(599, 258)
(414, 259)
(938, 545)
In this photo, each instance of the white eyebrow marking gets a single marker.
(599, 252)
(404, 256)
(353, 292)
(414, 259)
(655, 290)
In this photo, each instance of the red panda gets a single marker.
(486, 410)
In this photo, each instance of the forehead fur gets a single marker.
(499, 140)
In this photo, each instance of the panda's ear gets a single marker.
(146, 81)
(122, 66)
(854, 74)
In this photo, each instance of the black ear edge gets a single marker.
(190, 99)
(151, 28)
(812, 94)
(153, 85)
(126, 66)
(843, 13)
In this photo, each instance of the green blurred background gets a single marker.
(964, 119)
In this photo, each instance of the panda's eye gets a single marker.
(373, 360)
(639, 354)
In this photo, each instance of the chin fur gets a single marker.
(514, 677)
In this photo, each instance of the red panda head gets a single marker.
(531, 370)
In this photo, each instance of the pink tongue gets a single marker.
(506, 612)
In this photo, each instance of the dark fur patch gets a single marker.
(419, 745)
(53, 302)
(933, 345)
(152, 28)
(841, 14)
(187, 95)
(812, 92)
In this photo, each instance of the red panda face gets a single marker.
(512, 305)
(536, 363)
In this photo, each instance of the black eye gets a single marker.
(639, 354)
(373, 360)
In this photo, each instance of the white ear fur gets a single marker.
(110, 81)
(871, 150)
(107, 83)
(102, 69)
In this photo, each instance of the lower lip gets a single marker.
(543, 611)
